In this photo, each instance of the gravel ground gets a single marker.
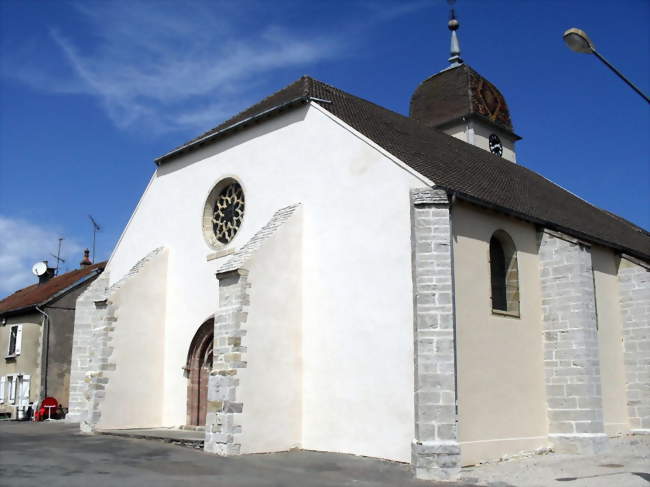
(626, 464)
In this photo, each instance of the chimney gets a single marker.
(49, 274)
(85, 262)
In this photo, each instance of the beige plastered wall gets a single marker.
(271, 384)
(476, 133)
(29, 360)
(135, 388)
(610, 340)
(501, 392)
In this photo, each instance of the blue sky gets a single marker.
(92, 91)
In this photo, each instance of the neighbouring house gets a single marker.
(36, 332)
(323, 273)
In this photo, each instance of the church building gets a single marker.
(320, 272)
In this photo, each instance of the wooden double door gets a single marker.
(199, 365)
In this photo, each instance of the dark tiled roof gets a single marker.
(37, 294)
(472, 173)
(459, 92)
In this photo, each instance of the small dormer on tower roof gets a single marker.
(462, 103)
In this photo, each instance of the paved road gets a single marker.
(56, 454)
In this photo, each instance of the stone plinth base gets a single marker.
(436, 460)
(584, 444)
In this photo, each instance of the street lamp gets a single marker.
(577, 40)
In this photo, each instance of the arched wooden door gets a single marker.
(199, 365)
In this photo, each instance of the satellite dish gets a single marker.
(39, 269)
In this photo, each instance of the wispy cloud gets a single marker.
(162, 67)
(167, 66)
(24, 244)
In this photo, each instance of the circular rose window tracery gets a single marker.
(223, 213)
(228, 213)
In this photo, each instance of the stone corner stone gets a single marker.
(429, 196)
(436, 460)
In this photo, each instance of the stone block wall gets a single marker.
(571, 356)
(634, 290)
(435, 450)
(223, 423)
(90, 316)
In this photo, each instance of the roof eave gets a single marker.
(58, 294)
(548, 224)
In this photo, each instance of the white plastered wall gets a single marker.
(610, 340)
(271, 384)
(357, 305)
(135, 387)
(501, 395)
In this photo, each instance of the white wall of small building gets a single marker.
(357, 317)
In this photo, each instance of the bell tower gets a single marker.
(465, 105)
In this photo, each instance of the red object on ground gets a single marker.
(41, 414)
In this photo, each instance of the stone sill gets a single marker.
(12, 356)
(507, 314)
(219, 254)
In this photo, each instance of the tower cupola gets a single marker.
(462, 103)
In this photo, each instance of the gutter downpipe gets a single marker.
(452, 201)
(45, 352)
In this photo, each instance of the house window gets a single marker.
(504, 275)
(22, 390)
(15, 339)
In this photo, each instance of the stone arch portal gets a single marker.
(198, 367)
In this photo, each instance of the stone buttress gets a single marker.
(634, 290)
(571, 355)
(435, 449)
(93, 361)
(226, 406)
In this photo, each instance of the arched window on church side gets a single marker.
(504, 275)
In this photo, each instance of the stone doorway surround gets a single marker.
(197, 370)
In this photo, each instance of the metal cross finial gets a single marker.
(453, 25)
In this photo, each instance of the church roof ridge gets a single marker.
(472, 173)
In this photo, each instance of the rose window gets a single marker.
(228, 212)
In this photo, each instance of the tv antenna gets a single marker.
(58, 257)
(96, 228)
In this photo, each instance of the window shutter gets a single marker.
(2, 389)
(11, 383)
(24, 394)
(19, 338)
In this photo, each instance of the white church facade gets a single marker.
(322, 273)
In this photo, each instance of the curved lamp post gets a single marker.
(577, 40)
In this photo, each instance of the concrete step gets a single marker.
(182, 437)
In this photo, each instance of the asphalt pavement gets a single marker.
(55, 454)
